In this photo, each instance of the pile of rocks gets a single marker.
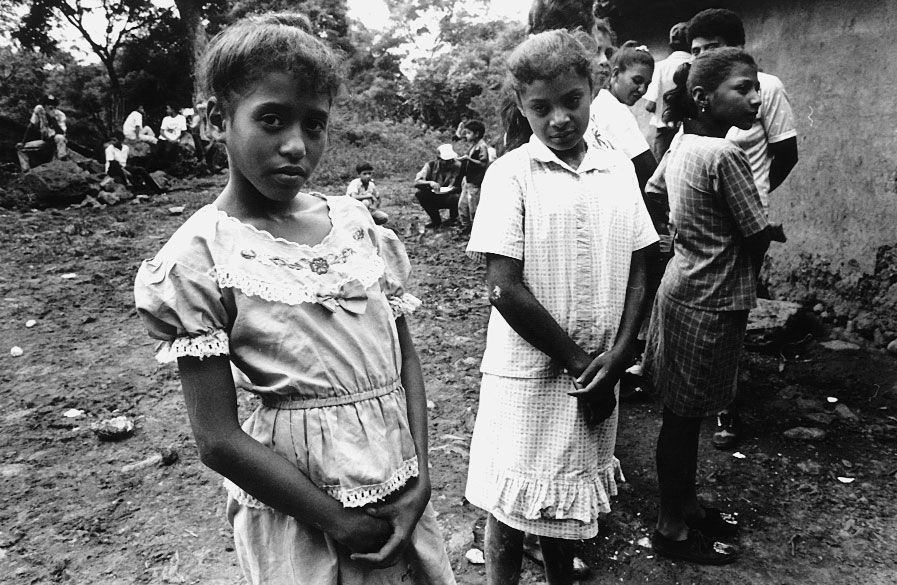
(76, 181)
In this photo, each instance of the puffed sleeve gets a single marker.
(182, 307)
(498, 226)
(395, 275)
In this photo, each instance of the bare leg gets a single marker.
(504, 553)
(558, 555)
(677, 456)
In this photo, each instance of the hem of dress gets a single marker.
(531, 499)
(349, 498)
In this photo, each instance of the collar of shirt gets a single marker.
(596, 159)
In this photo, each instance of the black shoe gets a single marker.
(695, 549)
(728, 430)
(715, 524)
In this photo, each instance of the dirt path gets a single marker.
(70, 514)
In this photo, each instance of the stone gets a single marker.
(819, 418)
(162, 180)
(844, 413)
(108, 198)
(810, 467)
(114, 429)
(892, 347)
(771, 323)
(805, 434)
(839, 345)
(59, 182)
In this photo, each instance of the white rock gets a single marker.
(475, 557)
(30, 323)
(73, 413)
(16, 351)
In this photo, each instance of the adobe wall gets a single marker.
(838, 61)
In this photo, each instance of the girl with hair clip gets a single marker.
(299, 299)
(631, 69)
(563, 231)
(720, 236)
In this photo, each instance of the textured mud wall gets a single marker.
(838, 61)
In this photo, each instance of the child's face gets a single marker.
(467, 135)
(630, 85)
(557, 110)
(366, 177)
(703, 44)
(275, 136)
(737, 99)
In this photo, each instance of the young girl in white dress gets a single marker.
(297, 298)
(563, 230)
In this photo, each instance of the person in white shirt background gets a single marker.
(662, 82)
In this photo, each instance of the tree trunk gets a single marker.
(195, 35)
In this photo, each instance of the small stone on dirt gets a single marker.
(805, 434)
(176, 210)
(892, 347)
(819, 418)
(810, 467)
(16, 351)
(838, 345)
(30, 323)
(475, 557)
(113, 429)
(845, 413)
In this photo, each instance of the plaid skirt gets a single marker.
(691, 356)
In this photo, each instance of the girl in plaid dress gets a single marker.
(720, 236)
(563, 230)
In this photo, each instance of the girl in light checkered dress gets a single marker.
(563, 230)
(720, 236)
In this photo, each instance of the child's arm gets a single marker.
(404, 511)
(223, 446)
(526, 315)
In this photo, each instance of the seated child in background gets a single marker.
(363, 189)
(117, 165)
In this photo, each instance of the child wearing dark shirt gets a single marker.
(476, 161)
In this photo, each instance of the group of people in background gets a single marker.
(305, 295)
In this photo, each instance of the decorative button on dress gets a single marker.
(311, 330)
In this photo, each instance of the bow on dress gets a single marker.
(351, 296)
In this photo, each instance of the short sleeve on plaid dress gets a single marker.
(311, 331)
(534, 463)
(700, 312)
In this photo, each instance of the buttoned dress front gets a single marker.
(311, 330)
(535, 464)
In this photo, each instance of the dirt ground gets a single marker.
(819, 511)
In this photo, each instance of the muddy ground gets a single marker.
(820, 511)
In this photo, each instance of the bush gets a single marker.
(394, 149)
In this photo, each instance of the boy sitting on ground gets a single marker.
(363, 189)
(117, 165)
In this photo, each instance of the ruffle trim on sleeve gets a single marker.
(201, 346)
(349, 498)
(581, 500)
(404, 304)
